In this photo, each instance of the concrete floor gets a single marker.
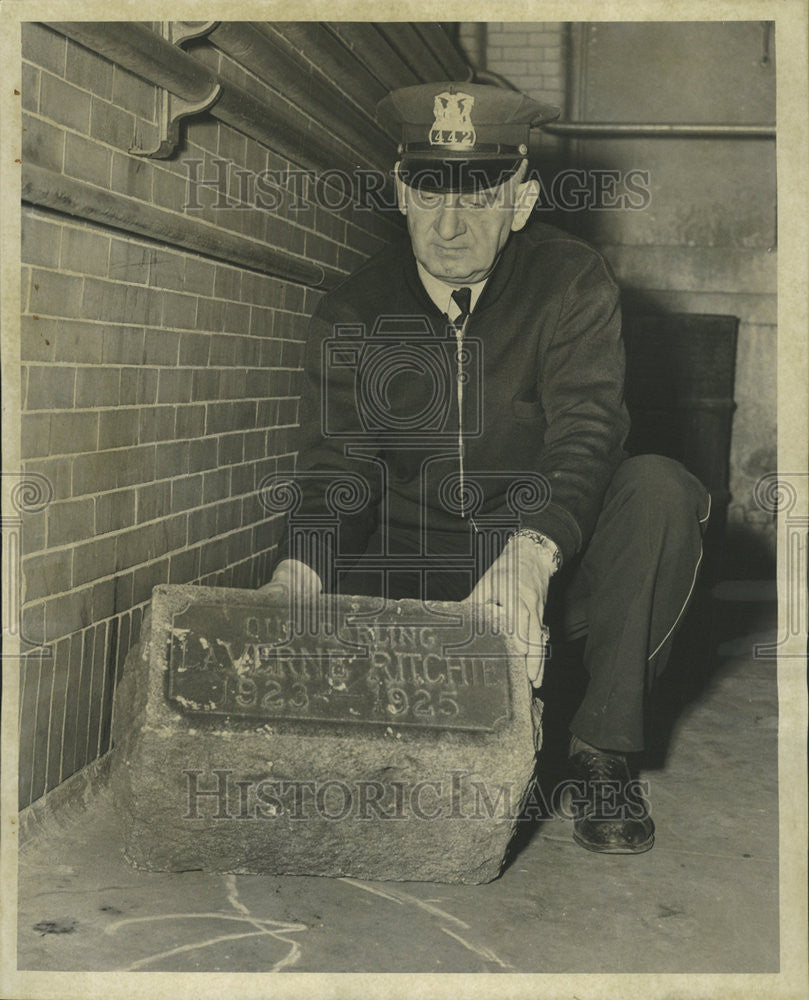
(705, 899)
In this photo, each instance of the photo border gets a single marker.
(791, 20)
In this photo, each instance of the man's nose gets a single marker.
(450, 221)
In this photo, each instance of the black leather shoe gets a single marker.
(609, 811)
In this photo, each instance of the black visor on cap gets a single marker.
(445, 176)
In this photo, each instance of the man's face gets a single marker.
(458, 237)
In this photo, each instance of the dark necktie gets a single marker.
(462, 297)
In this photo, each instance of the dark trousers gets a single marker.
(626, 592)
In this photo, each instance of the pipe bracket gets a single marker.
(173, 109)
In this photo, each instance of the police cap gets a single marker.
(458, 136)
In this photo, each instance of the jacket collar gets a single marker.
(495, 283)
(441, 293)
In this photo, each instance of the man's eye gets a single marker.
(475, 202)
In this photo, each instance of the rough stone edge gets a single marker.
(143, 649)
(66, 802)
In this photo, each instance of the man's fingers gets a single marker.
(522, 625)
(535, 655)
(479, 594)
(514, 602)
(486, 595)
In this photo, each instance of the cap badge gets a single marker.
(453, 124)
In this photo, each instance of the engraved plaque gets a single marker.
(242, 746)
(238, 661)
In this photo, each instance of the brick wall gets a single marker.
(533, 57)
(530, 54)
(158, 386)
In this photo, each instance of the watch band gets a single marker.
(543, 542)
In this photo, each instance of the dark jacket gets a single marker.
(543, 394)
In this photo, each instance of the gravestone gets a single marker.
(388, 740)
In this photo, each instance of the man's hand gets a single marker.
(293, 579)
(298, 585)
(514, 589)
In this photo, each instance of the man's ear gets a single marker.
(525, 198)
(401, 190)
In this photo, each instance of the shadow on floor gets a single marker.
(694, 662)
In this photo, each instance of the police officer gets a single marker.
(526, 320)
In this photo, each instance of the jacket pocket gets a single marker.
(527, 409)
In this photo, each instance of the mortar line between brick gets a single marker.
(152, 406)
(214, 228)
(107, 653)
(95, 627)
(163, 479)
(64, 718)
(30, 794)
(71, 546)
(140, 241)
(247, 560)
(50, 724)
(83, 632)
(110, 233)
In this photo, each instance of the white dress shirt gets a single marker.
(441, 293)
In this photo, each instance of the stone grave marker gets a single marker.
(396, 741)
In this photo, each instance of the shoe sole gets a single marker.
(647, 845)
